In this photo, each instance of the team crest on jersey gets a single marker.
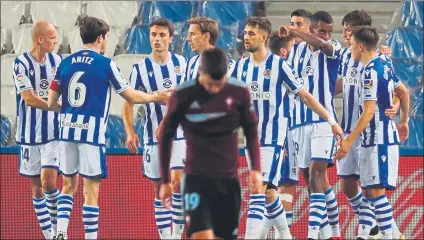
(20, 78)
(54, 70)
(167, 83)
(353, 72)
(267, 74)
(229, 102)
(254, 86)
(309, 71)
(177, 70)
(44, 84)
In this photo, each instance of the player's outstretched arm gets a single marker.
(363, 121)
(316, 42)
(133, 142)
(402, 92)
(34, 101)
(135, 96)
(315, 106)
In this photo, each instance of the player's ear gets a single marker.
(206, 36)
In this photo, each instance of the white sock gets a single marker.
(90, 217)
(52, 207)
(65, 204)
(43, 216)
(163, 219)
(333, 212)
(255, 215)
(177, 216)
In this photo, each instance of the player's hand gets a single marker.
(403, 130)
(158, 132)
(163, 96)
(255, 181)
(285, 31)
(165, 194)
(343, 149)
(338, 133)
(383, 49)
(133, 142)
(391, 112)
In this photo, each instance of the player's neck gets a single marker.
(209, 46)
(95, 47)
(367, 57)
(37, 54)
(160, 57)
(259, 55)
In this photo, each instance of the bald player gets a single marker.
(37, 128)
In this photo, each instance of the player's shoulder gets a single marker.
(234, 82)
(22, 59)
(180, 58)
(193, 59)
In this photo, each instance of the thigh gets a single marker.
(226, 208)
(151, 162)
(50, 155)
(322, 143)
(271, 159)
(178, 155)
(368, 167)
(29, 161)
(69, 158)
(349, 165)
(302, 145)
(196, 202)
(92, 161)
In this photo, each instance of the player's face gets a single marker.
(210, 85)
(253, 38)
(347, 33)
(322, 30)
(301, 25)
(159, 38)
(355, 49)
(48, 39)
(196, 39)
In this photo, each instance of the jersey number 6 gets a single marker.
(76, 91)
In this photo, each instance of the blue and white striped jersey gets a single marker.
(350, 71)
(85, 79)
(35, 126)
(193, 68)
(268, 83)
(318, 74)
(150, 76)
(378, 82)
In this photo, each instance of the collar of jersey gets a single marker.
(41, 64)
(263, 61)
(169, 58)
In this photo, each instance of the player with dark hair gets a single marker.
(300, 19)
(269, 77)
(203, 34)
(162, 70)
(210, 110)
(84, 80)
(316, 61)
(380, 136)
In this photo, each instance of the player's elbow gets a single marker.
(29, 99)
(402, 93)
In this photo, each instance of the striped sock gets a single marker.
(289, 217)
(355, 203)
(366, 218)
(65, 203)
(255, 215)
(384, 215)
(177, 215)
(275, 212)
(333, 212)
(163, 219)
(43, 216)
(317, 214)
(52, 207)
(90, 218)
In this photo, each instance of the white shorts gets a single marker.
(349, 165)
(86, 159)
(151, 165)
(289, 171)
(32, 158)
(314, 142)
(271, 159)
(379, 166)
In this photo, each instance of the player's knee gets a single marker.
(37, 191)
(68, 188)
(48, 185)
